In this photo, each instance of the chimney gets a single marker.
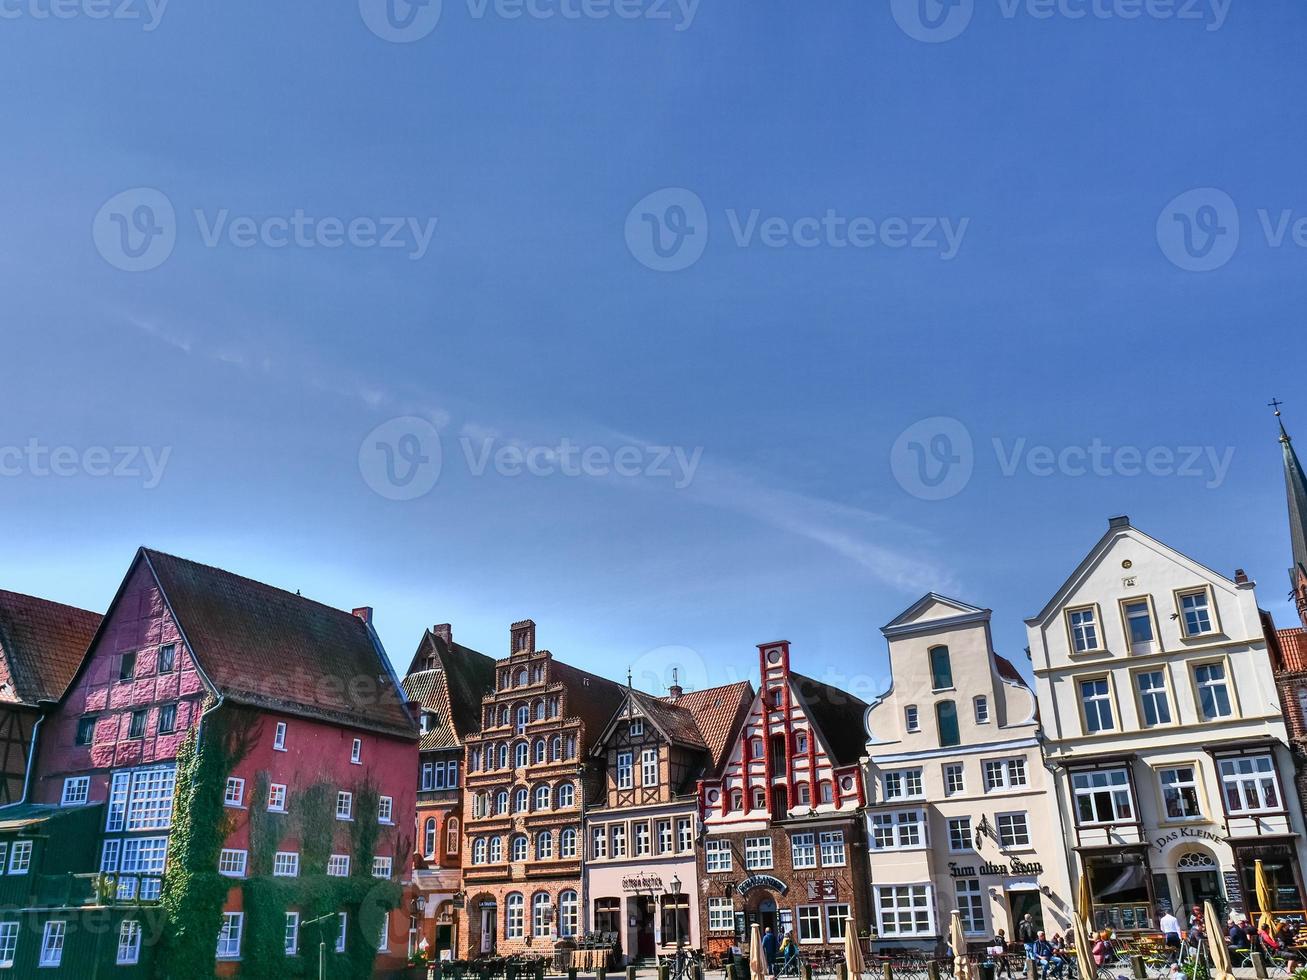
(675, 691)
(1240, 577)
(1121, 520)
(445, 632)
(522, 638)
(364, 613)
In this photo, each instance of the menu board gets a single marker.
(1233, 889)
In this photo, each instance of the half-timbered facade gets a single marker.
(642, 859)
(783, 838)
(445, 683)
(41, 646)
(527, 780)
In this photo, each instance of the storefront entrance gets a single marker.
(1199, 881)
(488, 922)
(760, 907)
(1020, 904)
(642, 908)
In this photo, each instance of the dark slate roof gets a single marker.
(838, 716)
(271, 649)
(1008, 671)
(591, 698)
(718, 712)
(42, 644)
(449, 679)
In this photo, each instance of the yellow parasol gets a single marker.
(757, 962)
(853, 951)
(1264, 901)
(1085, 901)
(1221, 968)
(1084, 947)
(958, 939)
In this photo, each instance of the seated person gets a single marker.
(1048, 957)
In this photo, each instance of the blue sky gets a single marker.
(1063, 308)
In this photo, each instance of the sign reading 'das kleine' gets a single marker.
(1193, 832)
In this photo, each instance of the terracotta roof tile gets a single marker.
(718, 713)
(1293, 648)
(42, 644)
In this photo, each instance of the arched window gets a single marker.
(429, 838)
(941, 670)
(496, 850)
(523, 717)
(540, 751)
(517, 850)
(538, 674)
(567, 843)
(501, 801)
(800, 742)
(520, 755)
(827, 793)
(520, 800)
(571, 746)
(567, 914)
(544, 845)
(503, 715)
(540, 711)
(946, 717)
(553, 707)
(540, 914)
(521, 677)
(566, 796)
(451, 836)
(755, 748)
(503, 756)
(542, 797)
(805, 794)
(479, 851)
(556, 748)
(513, 913)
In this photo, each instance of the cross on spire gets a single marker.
(1275, 403)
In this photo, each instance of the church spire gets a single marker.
(1295, 488)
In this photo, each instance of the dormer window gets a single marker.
(430, 720)
(636, 728)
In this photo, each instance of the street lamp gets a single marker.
(676, 917)
(322, 942)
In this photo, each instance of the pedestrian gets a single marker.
(1000, 947)
(1027, 933)
(769, 947)
(1170, 927)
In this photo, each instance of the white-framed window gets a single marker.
(542, 797)
(1195, 612)
(541, 909)
(1096, 705)
(641, 839)
(808, 918)
(129, 942)
(149, 799)
(514, 916)
(1180, 792)
(1213, 691)
(897, 830)
(959, 834)
(479, 851)
(721, 915)
(684, 834)
(428, 781)
(664, 836)
(757, 853)
(1138, 624)
(955, 781)
(338, 865)
(803, 850)
(1005, 773)
(385, 809)
(636, 728)
(544, 845)
(717, 855)
(971, 905)
(1102, 796)
(277, 797)
(599, 842)
(518, 848)
(342, 932)
(381, 866)
(383, 941)
(231, 862)
(344, 805)
(1249, 784)
(981, 704)
(356, 752)
(229, 936)
(1154, 704)
(902, 784)
(291, 940)
(567, 843)
(1013, 829)
(625, 770)
(832, 849)
(496, 849)
(8, 943)
(837, 920)
(279, 738)
(1084, 629)
(566, 796)
(911, 721)
(904, 910)
(234, 794)
(569, 913)
(521, 753)
(76, 791)
(286, 864)
(52, 942)
(20, 857)
(649, 767)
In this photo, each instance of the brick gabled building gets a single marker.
(41, 646)
(641, 869)
(446, 681)
(527, 782)
(313, 744)
(783, 842)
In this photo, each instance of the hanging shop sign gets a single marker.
(1016, 868)
(762, 881)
